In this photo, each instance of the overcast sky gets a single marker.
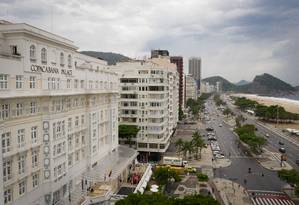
(236, 39)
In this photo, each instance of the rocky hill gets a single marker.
(267, 84)
(225, 84)
(111, 58)
(264, 84)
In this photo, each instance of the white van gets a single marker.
(174, 161)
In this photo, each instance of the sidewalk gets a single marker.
(219, 163)
(230, 121)
(206, 158)
(271, 161)
(230, 193)
(206, 164)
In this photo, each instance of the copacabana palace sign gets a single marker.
(49, 69)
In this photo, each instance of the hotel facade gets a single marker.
(58, 118)
(149, 99)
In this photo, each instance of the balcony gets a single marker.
(128, 115)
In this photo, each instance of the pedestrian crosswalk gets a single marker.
(270, 198)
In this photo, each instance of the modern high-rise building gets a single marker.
(158, 52)
(195, 69)
(190, 88)
(58, 120)
(149, 100)
(178, 60)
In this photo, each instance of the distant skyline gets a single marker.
(236, 39)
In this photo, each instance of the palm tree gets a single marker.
(179, 145)
(198, 143)
(187, 148)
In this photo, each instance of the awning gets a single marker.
(111, 165)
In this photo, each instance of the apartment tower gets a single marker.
(149, 100)
(195, 69)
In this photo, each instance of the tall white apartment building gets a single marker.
(58, 116)
(149, 99)
(190, 88)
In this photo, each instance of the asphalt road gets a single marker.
(292, 150)
(238, 171)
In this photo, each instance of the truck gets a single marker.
(174, 161)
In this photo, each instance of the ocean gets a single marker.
(293, 97)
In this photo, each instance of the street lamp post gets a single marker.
(277, 116)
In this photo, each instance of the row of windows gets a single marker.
(6, 139)
(19, 82)
(44, 56)
(21, 164)
(76, 137)
(152, 72)
(18, 110)
(59, 170)
(57, 105)
(22, 188)
(55, 83)
(72, 161)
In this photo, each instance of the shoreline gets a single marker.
(288, 104)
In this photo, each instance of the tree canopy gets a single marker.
(198, 143)
(181, 114)
(163, 175)
(247, 134)
(128, 132)
(268, 113)
(218, 100)
(159, 199)
(291, 177)
(244, 103)
(196, 105)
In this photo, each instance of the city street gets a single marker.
(273, 139)
(259, 178)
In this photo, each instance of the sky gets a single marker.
(236, 39)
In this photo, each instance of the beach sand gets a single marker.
(287, 125)
(289, 105)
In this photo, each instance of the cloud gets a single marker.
(251, 36)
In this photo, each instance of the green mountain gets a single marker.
(267, 84)
(242, 82)
(264, 84)
(225, 84)
(111, 58)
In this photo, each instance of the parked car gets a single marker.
(281, 143)
(209, 129)
(220, 125)
(282, 150)
(219, 156)
(267, 135)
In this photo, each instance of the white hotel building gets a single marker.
(58, 118)
(149, 99)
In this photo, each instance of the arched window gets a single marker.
(44, 55)
(61, 59)
(69, 60)
(32, 52)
